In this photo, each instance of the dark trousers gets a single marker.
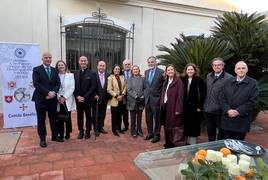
(213, 122)
(225, 134)
(136, 116)
(152, 112)
(102, 106)
(50, 107)
(67, 124)
(82, 108)
(117, 117)
(125, 116)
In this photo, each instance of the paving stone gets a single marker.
(108, 157)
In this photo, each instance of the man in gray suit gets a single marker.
(215, 81)
(153, 83)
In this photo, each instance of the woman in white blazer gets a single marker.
(65, 98)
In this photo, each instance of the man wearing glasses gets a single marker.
(127, 75)
(212, 109)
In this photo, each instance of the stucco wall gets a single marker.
(156, 22)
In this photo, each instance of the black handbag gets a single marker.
(63, 116)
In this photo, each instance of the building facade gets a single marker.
(106, 29)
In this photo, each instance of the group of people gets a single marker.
(178, 102)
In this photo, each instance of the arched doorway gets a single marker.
(98, 38)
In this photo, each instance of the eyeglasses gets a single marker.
(216, 65)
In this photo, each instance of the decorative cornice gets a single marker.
(168, 6)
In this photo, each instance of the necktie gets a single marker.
(48, 73)
(127, 75)
(150, 76)
(102, 80)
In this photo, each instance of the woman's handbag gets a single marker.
(63, 114)
(176, 135)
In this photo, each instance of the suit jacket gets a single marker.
(152, 91)
(86, 88)
(214, 86)
(68, 88)
(113, 89)
(242, 97)
(43, 84)
(102, 91)
(135, 88)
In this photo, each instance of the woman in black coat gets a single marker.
(194, 96)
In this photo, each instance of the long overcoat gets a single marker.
(242, 97)
(174, 104)
(193, 100)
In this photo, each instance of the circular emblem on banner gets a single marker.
(20, 53)
(22, 95)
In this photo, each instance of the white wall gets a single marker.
(156, 22)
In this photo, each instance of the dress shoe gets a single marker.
(140, 133)
(87, 136)
(134, 134)
(67, 136)
(103, 131)
(97, 134)
(43, 144)
(155, 139)
(167, 146)
(148, 137)
(121, 131)
(116, 134)
(80, 135)
(124, 129)
(57, 139)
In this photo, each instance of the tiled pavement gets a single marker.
(107, 158)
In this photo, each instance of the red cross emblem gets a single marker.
(23, 107)
(8, 99)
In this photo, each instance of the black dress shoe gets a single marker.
(67, 136)
(140, 133)
(102, 131)
(87, 136)
(124, 129)
(116, 134)
(97, 134)
(155, 139)
(148, 137)
(57, 139)
(80, 135)
(121, 131)
(43, 144)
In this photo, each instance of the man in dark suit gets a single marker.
(47, 83)
(239, 96)
(84, 92)
(101, 98)
(127, 75)
(153, 84)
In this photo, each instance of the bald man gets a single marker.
(84, 92)
(47, 83)
(102, 96)
(238, 98)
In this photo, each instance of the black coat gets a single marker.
(43, 84)
(193, 99)
(242, 97)
(86, 88)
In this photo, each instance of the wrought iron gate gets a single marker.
(98, 38)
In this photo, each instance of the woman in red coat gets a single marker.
(171, 104)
